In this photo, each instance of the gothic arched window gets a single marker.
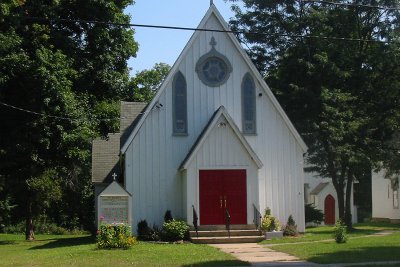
(248, 105)
(179, 104)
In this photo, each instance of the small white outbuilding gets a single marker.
(385, 197)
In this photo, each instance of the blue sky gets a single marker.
(161, 45)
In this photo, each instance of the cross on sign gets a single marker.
(114, 176)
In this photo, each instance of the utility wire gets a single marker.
(128, 25)
(350, 5)
(50, 116)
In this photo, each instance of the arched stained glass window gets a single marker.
(179, 103)
(248, 105)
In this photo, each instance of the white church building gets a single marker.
(214, 138)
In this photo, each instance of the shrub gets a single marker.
(41, 227)
(168, 216)
(18, 228)
(269, 223)
(340, 232)
(49, 228)
(175, 230)
(143, 230)
(146, 233)
(155, 234)
(115, 236)
(291, 228)
(313, 214)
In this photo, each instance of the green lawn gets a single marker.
(359, 248)
(48, 250)
(325, 232)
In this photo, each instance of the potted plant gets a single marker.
(271, 226)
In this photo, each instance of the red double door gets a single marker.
(222, 190)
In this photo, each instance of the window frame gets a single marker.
(175, 130)
(245, 107)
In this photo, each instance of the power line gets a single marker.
(350, 5)
(128, 25)
(50, 116)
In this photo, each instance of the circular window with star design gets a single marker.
(213, 68)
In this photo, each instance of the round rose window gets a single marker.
(213, 68)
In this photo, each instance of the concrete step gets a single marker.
(222, 227)
(227, 240)
(223, 233)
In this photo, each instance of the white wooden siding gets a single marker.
(220, 150)
(382, 198)
(154, 155)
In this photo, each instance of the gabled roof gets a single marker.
(221, 112)
(105, 152)
(212, 11)
(318, 188)
(114, 189)
(130, 116)
(105, 158)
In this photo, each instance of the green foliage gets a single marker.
(73, 75)
(338, 94)
(146, 233)
(115, 236)
(175, 230)
(45, 189)
(6, 208)
(312, 214)
(168, 216)
(269, 223)
(42, 227)
(143, 230)
(290, 228)
(143, 86)
(340, 232)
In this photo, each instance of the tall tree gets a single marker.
(341, 94)
(144, 85)
(64, 76)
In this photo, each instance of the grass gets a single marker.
(325, 232)
(364, 248)
(48, 250)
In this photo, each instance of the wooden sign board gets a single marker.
(114, 209)
(114, 205)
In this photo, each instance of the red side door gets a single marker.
(329, 209)
(220, 190)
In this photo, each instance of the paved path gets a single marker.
(258, 255)
(381, 233)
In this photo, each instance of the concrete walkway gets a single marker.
(261, 255)
(258, 255)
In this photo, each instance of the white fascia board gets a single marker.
(222, 112)
(213, 10)
(260, 79)
(170, 75)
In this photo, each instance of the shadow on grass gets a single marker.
(8, 242)
(66, 242)
(356, 231)
(219, 263)
(367, 254)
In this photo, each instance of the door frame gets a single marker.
(332, 207)
(232, 168)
